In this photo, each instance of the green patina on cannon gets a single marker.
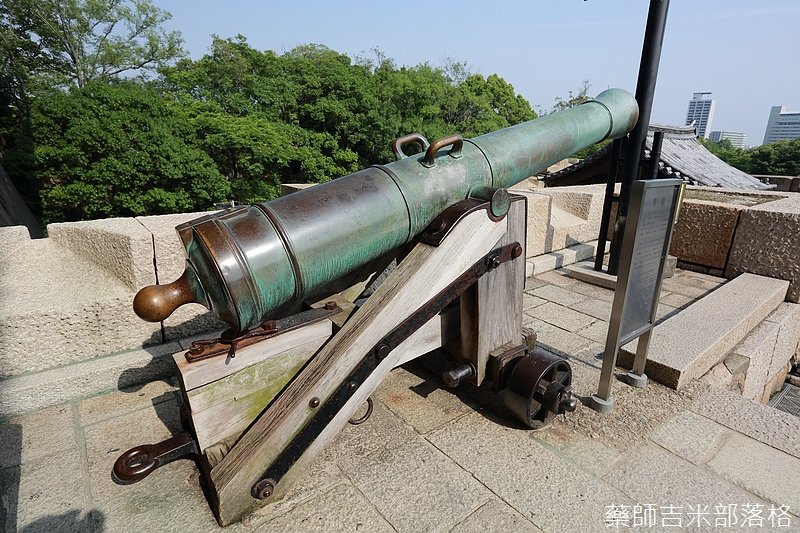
(246, 262)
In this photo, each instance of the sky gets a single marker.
(746, 53)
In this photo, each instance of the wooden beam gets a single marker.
(491, 310)
(199, 373)
(224, 408)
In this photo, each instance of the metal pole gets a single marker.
(605, 220)
(655, 154)
(645, 89)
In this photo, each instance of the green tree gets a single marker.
(114, 150)
(781, 158)
(341, 114)
(574, 98)
(57, 44)
(73, 42)
(267, 119)
(257, 154)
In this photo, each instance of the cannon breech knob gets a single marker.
(154, 303)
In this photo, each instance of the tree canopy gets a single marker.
(73, 42)
(233, 125)
(780, 158)
(113, 150)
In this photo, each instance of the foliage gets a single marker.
(312, 114)
(735, 157)
(234, 124)
(73, 42)
(574, 98)
(46, 45)
(114, 150)
(780, 158)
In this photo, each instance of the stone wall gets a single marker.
(726, 233)
(782, 183)
(65, 308)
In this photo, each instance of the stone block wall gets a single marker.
(767, 242)
(704, 233)
(782, 183)
(726, 233)
(562, 217)
(66, 308)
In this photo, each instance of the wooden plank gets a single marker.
(225, 407)
(436, 333)
(491, 311)
(253, 378)
(199, 373)
(419, 277)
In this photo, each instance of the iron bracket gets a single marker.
(139, 462)
(227, 343)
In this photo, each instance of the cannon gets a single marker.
(246, 262)
(299, 359)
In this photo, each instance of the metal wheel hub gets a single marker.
(539, 388)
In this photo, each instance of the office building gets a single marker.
(701, 113)
(782, 125)
(736, 138)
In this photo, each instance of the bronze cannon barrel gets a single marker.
(245, 262)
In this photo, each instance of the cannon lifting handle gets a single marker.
(400, 142)
(457, 143)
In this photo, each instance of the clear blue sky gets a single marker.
(747, 53)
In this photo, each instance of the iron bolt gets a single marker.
(516, 251)
(263, 489)
(456, 376)
(195, 349)
(383, 351)
(313, 402)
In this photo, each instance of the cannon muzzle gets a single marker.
(245, 262)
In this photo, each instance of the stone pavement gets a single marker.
(433, 460)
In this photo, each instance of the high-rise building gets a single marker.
(782, 125)
(736, 138)
(701, 112)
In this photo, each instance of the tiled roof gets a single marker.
(682, 156)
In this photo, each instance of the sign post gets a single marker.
(648, 231)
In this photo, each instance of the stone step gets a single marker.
(688, 344)
(584, 271)
(769, 348)
(553, 260)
